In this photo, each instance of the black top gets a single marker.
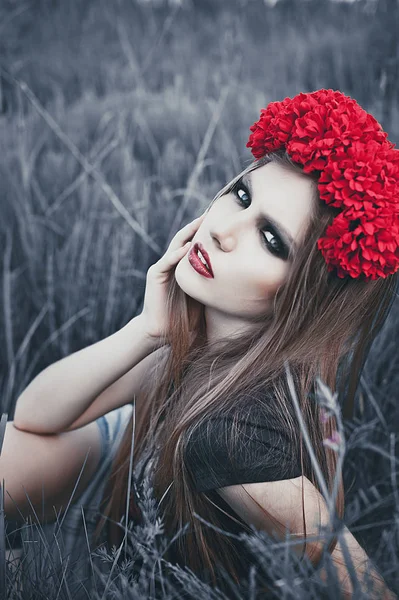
(222, 452)
(257, 448)
(260, 451)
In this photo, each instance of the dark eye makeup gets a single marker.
(273, 243)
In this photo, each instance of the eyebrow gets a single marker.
(280, 229)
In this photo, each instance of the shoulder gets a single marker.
(245, 444)
(251, 415)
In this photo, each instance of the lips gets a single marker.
(204, 254)
(196, 262)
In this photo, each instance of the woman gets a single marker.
(302, 258)
(327, 177)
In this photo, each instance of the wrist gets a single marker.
(140, 322)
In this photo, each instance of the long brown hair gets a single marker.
(322, 325)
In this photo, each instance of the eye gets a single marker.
(270, 238)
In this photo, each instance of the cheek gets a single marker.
(270, 277)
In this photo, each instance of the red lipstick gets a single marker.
(196, 262)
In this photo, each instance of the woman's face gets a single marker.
(248, 246)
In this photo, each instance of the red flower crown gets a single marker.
(358, 172)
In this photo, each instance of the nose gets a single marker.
(226, 233)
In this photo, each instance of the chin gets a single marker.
(179, 278)
(183, 282)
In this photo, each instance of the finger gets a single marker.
(184, 234)
(172, 257)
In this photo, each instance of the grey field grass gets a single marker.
(118, 123)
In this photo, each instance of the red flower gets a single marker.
(358, 167)
(362, 242)
(267, 134)
(361, 173)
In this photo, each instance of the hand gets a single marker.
(158, 275)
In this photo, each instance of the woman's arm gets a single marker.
(65, 389)
(283, 500)
(362, 564)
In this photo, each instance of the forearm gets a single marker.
(362, 564)
(65, 389)
(375, 590)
